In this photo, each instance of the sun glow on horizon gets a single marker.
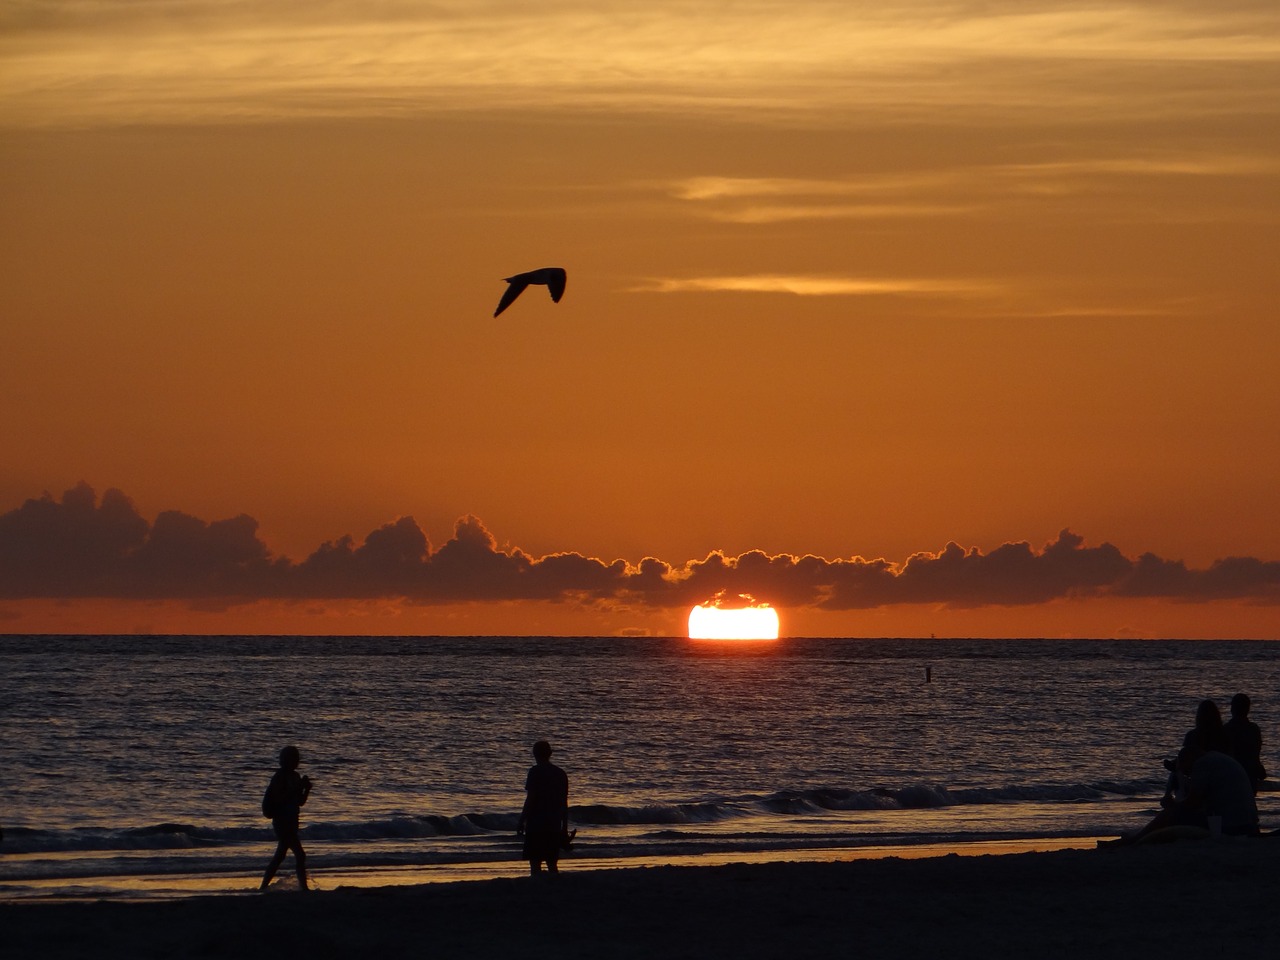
(713, 622)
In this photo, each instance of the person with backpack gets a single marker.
(282, 802)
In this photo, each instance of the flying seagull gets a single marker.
(553, 277)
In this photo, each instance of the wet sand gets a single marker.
(1187, 899)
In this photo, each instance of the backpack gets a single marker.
(269, 803)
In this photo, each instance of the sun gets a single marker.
(710, 621)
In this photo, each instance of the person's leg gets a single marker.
(299, 862)
(281, 849)
(1165, 818)
(540, 847)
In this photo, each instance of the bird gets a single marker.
(553, 277)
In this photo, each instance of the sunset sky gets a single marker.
(904, 317)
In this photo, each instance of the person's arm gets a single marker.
(564, 811)
(1253, 740)
(524, 811)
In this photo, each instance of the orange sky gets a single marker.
(845, 280)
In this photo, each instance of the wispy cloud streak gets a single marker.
(816, 286)
(130, 60)
(80, 547)
(954, 191)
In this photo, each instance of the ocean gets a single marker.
(134, 766)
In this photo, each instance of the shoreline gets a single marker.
(1101, 903)
(157, 887)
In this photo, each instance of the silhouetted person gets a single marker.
(1217, 786)
(1246, 740)
(1210, 727)
(544, 820)
(1213, 735)
(283, 802)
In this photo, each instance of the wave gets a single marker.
(825, 800)
(777, 807)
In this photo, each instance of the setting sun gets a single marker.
(710, 622)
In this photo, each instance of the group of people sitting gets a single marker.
(1215, 777)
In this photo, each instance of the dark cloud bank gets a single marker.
(80, 547)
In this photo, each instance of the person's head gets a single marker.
(290, 758)
(1207, 716)
(542, 751)
(1240, 706)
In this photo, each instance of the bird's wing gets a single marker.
(555, 283)
(515, 286)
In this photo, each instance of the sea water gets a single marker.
(136, 765)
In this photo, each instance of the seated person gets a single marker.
(1208, 726)
(1246, 740)
(1222, 788)
(1217, 786)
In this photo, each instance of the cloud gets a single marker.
(185, 556)
(51, 548)
(888, 196)
(390, 561)
(714, 188)
(819, 286)
(960, 190)
(1011, 575)
(781, 213)
(1163, 165)
(80, 547)
(184, 60)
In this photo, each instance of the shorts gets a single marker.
(542, 845)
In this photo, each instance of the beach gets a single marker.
(1185, 899)
(135, 766)
(823, 798)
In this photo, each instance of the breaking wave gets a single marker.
(778, 807)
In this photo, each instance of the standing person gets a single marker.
(283, 802)
(544, 820)
(1246, 740)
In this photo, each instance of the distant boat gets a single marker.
(552, 277)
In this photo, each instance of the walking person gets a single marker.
(283, 802)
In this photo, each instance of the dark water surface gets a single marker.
(122, 756)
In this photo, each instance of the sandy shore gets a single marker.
(1189, 899)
